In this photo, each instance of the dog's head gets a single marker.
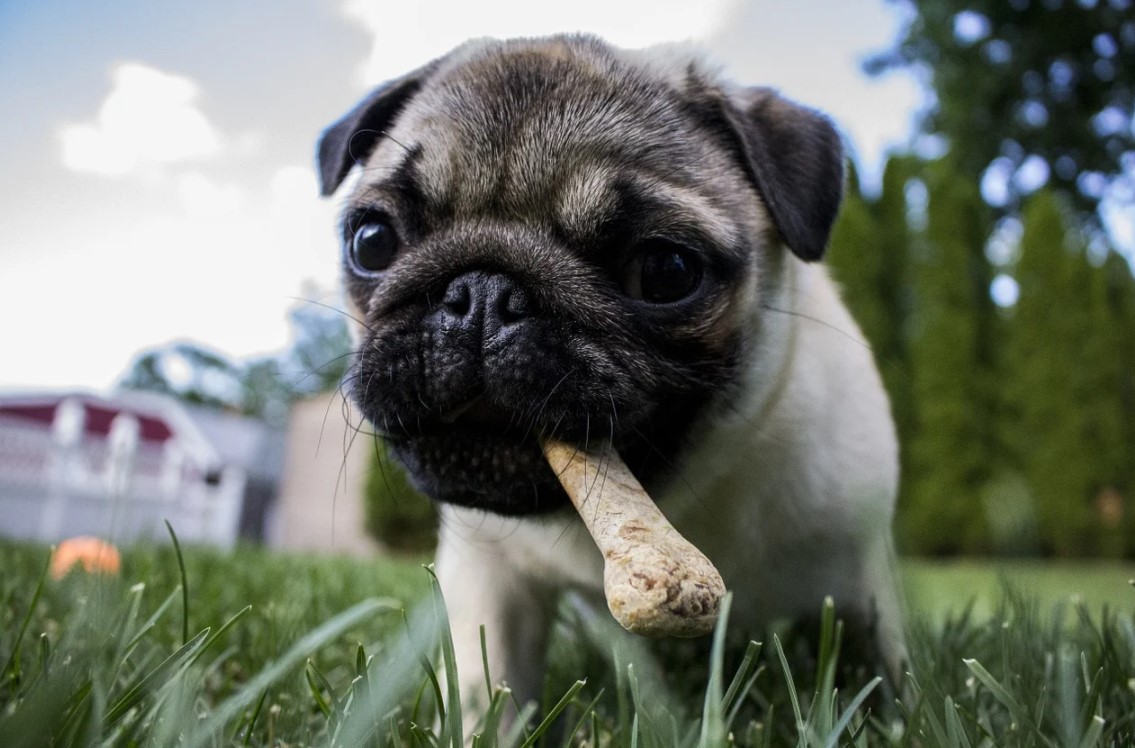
(556, 237)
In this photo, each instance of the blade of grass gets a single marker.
(362, 662)
(155, 678)
(849, 712)
(313, 686)
(485, 663)
(78, 709)
(398, 669)
(588, 712)
(1092, 697)
(1092, 736)
(221, 631)
(516, 732)
(739, 686)
(829, 648)
(554, 712)
(124, 626)
(96, 714)
(148, 626)
(335, 704)
(184, 583)
(431, 673)
(955, 731)
(731, 715)
(252, 721)
(801, 726)
(423, 737)
(13, 663)
(713, 720)
(491, 726)
(452, 727)
(45, 655)
(314, 639)
(999, 691)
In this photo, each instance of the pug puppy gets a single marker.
(557, 238)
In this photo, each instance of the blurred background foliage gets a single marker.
(397, 516)
(984, 273)
(986, 279)
(265, 387)
(1047, 85)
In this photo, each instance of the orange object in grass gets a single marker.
(95, 556)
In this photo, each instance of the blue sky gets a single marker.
(158, 181)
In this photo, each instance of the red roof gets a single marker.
(99, 416)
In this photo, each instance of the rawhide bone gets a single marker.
(656, 582)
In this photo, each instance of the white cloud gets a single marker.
(408, 34)
(204, 198)
(149, 118)
(208, 261)
(294, 188)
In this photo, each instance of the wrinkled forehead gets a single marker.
(510, 131)
(558, 139)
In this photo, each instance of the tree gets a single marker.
(1121, 301)
(950, 374)
(189, 372)
(869, 259)
(1049, 82)
(1105, 349)
(266, 391)
(859, 265)
(1120, 289)
(1028, 93)
(264, 387)
(320, 353)
(1065, 416)
(397, 515)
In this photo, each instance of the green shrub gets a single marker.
(397, 515)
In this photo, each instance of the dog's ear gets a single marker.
(352, 138)
(794, 157)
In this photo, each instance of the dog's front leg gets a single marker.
(483, 588)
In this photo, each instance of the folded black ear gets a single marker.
(795, 158)
(353, 138)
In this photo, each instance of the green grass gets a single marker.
(933, 588)
(285, 650)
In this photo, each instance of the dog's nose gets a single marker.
(485, 302)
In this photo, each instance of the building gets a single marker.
(320, 502)
(74, 463)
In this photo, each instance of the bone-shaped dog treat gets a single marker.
(656, 582)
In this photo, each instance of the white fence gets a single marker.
(57, 482)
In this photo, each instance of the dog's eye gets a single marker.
(662, 272)
(374, 246)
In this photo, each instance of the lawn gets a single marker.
(288, 650)
(934, 588)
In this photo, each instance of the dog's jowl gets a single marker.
(555, 238)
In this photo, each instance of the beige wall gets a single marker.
(320, 502)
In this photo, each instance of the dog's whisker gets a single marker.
(332, 308)
(818, 321)
(386, 134)
(678, 474)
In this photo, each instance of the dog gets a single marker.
(558, 238)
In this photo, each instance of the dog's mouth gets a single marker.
(485, 455)
(481, 454)
(480, 413)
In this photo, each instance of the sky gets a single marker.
(158, 181)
